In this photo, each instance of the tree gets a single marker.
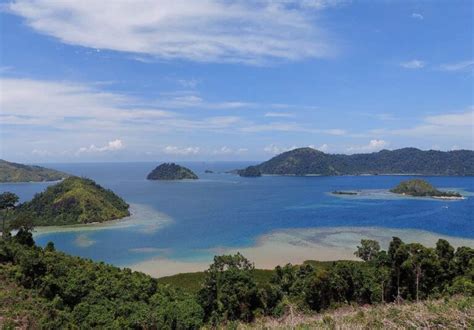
(398, 254)
(368, 249)
(8, 200)
(229, 291)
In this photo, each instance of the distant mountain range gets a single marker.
(308, 161)
(13, 172)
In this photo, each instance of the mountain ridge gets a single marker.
(309, 161)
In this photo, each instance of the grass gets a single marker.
(449, 313)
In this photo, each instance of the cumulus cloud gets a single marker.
(110, 146)
(274, 150)
(373, 145)
(182, 151)
(417, 16)
(413, 64)
(209, 30)
(324, 147)
(229, 151)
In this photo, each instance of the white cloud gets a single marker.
(274, 150)
(373, 145)
(110, 146)
(279, 114)
(208, 30)
(182, 151)
(453, 119)
(413, 64)
(188, 83)
(324, 147)
(417, 16)
(229, 151)
(458, 66)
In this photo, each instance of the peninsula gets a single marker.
(73, 201)
(308, 161)
(171, 171)
(14, 172)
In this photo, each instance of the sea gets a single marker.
(185, 220)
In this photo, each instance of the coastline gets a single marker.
(140, 216)
(296, 246)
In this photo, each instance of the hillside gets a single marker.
(422, 188)
(13, 172)
(73, 201)
(171, 171)
(308, 161)
(43, 288)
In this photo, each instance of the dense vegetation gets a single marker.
(251, 171)
(13, 172)
(304, 161)
(421, 188)
(50, 289)
(72, 201)
(171, 171)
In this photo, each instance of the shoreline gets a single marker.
(296, 246)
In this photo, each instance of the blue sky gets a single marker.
(232, 80)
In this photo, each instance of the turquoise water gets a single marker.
(182, 220)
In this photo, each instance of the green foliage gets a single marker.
(13, 172)
(367, 250)
(251, 171)
(74, 291)
(171, 171)
(229, 291)
(67, 291)
(72, 201)
(304, 161)
(421, 188)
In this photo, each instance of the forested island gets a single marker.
(422, 188)
(44, 288)
(251, 171)
(72, 201)
(14, 172)
(308, 161)
(171, 171)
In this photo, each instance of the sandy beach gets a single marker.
(297, 245)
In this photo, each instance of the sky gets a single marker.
(148, 80)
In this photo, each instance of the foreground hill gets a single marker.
(41, 288)
(73, 201)
(308, 161)
(13, 172)
(171, 171)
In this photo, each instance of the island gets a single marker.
(251, 172)
(309, 161)
(422, 188)
(208, 171)
(74, 200)
(171, 171)
(14, 172)
(341, 192)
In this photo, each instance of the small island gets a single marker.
(251, 172)
(14, 172)
(208, 171)
(341, 192)
(422, 188)
(171, 171)
(73, 201)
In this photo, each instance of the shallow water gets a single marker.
(185, 220)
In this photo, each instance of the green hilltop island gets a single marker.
(422, 188)
(73, 201)
(171, 171)
(14, 172)
(309, 161)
